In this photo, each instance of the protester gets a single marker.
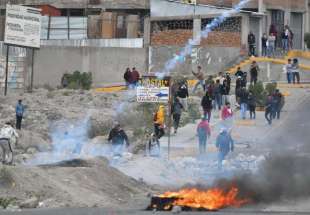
(176, 111)
(8, 137)
(251, 43)
(254, 69)
(64, 81)
(206, 104)
(295, 71)
(285, 39)
(239, 72)
(217, 94)
(224, 144)
(238, 88)
(159, 122)
(243, 95)
(244, 79)
(268, 110)
(227, 112)
(225, 92)
(289, 71)
(182, 94)
(290, 38)
(264, 45)
(20, 109)
(203, 132)
(200, 79)
(228, 79)
(118, 138)
(135, 77)
(127, 77)
(252, 105)
(271, 45)
(278, 104)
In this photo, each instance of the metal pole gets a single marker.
(169, 120)
(6, 70)
(32, 71)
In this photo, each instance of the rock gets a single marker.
(32, 151)
(30, 203)
(176, 210)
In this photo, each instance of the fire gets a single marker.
(212, 199)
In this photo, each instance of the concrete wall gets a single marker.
(212, 59)
(106, 64)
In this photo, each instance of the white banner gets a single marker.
(153, 94)
(22, 26)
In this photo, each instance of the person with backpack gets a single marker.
(224, 144)
(118, 138)
(206, 104)
(159, 122)
(252, 105)
(203, 132)
(176, 111)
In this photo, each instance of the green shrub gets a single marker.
(5, 202)
(78, 80)
(270, 88)
(259, 93)
(307, 40)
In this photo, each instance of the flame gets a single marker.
(212, 199)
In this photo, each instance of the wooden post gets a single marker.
(32, 70)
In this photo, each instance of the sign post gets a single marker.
(155, 90)
(23, 29)
(6, 70)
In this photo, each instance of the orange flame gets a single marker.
(212, 199)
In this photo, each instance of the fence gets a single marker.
(17, 67)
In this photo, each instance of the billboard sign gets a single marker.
(153, 90)
(22, 26)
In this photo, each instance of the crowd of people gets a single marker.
(269, 42)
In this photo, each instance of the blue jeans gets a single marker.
(264, 51)
(271, 51)
(202, 144)
(243, 109)
(285, 44)
(289, 77)
(117, 149)
(218, 101)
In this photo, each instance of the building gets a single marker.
(174, 28)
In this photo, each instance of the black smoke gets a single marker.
(280, 177)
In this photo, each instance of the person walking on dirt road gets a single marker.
(20, 109)
(176, 111)
(203, 132)
(269, 109)
(159, 122)
(224, 144)
(200, 79)
(118, 138)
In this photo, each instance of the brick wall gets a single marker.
(181, 36)
(171, 37)
(222, 39)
